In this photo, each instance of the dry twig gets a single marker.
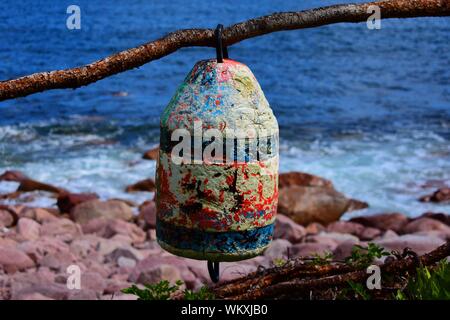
(273, 286)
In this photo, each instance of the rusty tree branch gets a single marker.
(135, 57)
(290, 271)
(299, 287)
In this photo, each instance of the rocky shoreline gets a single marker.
(113, 241)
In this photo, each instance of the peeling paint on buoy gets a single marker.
(217, 174)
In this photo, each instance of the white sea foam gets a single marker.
(17, 133)
(8, 186)
(385, 170)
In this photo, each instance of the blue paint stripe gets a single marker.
(269, 147)
(214, 242)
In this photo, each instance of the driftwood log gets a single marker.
(298, 278)
(136, 57)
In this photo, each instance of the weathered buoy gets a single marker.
(217, 173)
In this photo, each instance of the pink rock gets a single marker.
(67, 201)
(389, 234)
(344, 250)
(189, 268)
(287, 229)
(147, 185)
(235, 270)
(151, 154)
(29, 185)
(309, 249)
(303, 179)
(33, 296)
(32, 283)
(93, 281)
(39, 214)
(6, 217)
(198, 268)
(92, 209)
(61, 278)
(96, 226)
(278, 249)
(5, 285)
(136, 234)
(58, 261)
(353, 228)
(119, 296)
(39, 248)
(151, 262)
(107, 246)
(16, 208)
(147, 212)
(157, 273)
(86, 246)
(128, 202)
(442, 217)
(12, 260)
(424, 225)
(319, 238)
(384, 221)
(7, 243)
(434, 233)
(43, 215)
(335, 236)
(123, 238)
(312, 204)
(28, 229)
(83, 294)
(45, 273)
(124, 262)
(369, 233)
(10, 234)
(114, 286)
(103, 269)
(419, 244)
(119, 277)
(440, 195)
(63, 229)
(151, 234)
(346, 227)
(314, 228)
(109, 227)
(357, 205)
(190, 280)
(125, 251)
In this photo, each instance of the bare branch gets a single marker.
(301, 286)
(297, 269)
(135, 57)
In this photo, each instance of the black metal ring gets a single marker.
(213, 269)
(221, 50)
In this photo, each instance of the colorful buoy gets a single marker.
(217, 174)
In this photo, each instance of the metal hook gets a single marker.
(221, 50)
(213, 269)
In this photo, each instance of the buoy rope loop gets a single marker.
(221, 50)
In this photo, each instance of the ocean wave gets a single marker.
(387, 171)
(19, 133)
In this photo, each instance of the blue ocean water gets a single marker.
(368, 109)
